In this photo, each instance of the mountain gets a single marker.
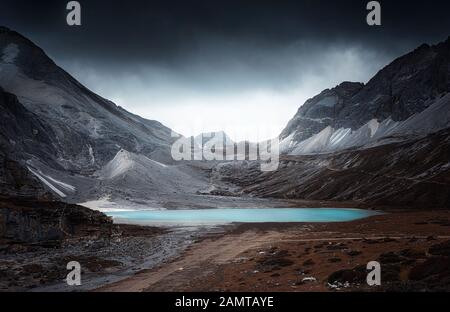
(60, 132)
(386, 143)
(84, 130)
(410, 174)
(382, 143)
(354, 114)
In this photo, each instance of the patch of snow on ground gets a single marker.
(105, 205)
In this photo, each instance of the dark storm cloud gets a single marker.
(167, 31)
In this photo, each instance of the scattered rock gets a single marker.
(338, 246)
(390, 272)
(353, 253)
(309, 262)
(412, 254)
(390, 257)
(356, 275)
(274, 261)
(32, 268)
(338, 286)
(442, 249)
(275, 275)
(433, 266)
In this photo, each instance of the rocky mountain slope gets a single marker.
(410, 174)
(84, 130)
(354, 114)
(65, 136)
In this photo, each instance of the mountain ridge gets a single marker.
(406, 86)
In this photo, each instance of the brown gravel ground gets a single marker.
(412, 247)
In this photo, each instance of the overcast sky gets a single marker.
(241, 66)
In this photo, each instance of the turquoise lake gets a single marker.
(257, 215)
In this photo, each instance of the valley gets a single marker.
(68, 156)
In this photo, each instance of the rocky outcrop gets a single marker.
(15, 181)
(321, 111)
(43, 221)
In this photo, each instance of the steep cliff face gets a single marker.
(320, 112)
(16, 181)
(407, 86)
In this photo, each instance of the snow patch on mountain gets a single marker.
(48, 183)
(91, 154)
(436, 117)
(158, 163)
(63, 185)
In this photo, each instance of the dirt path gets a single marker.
(195, 261)
(201, 259)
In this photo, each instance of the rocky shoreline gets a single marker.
(39, 238)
